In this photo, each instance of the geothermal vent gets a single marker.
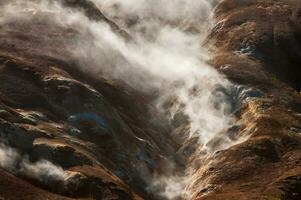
(150, 99)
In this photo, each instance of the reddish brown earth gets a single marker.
(16, 189)
(256, 43)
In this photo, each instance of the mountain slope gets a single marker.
(68, 130)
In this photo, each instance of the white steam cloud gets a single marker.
(157, 13)
(42, 170)
(171, 187)
(169, 60)
(166, 58)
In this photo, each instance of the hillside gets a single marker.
(150, 100)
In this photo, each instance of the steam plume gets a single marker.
(42, 170)
(166, 59)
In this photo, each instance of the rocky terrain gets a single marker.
(83, 115)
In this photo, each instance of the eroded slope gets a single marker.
(104, 137)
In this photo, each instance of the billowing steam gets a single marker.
(42, 170)
(165, 58)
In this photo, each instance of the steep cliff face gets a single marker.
(72, 128)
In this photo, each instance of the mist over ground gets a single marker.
(150, 100)
(166, 58)
(42, 170)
